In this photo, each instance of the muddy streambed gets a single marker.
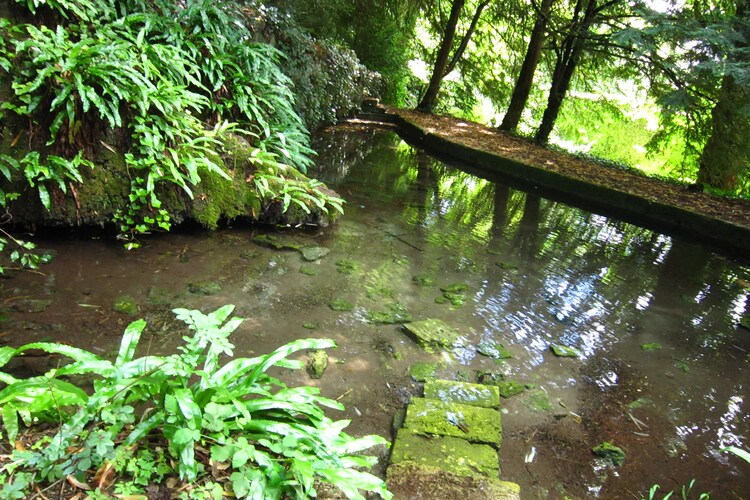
(663, 371)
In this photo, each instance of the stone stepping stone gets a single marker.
(432, 333)
(484, 396)
(451, 454)
(434, 417)
(422, 482)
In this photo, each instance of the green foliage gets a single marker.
(684, 493)
(273, 440)
(177, 78)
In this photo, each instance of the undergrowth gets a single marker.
(207, 428)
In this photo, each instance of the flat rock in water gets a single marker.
(422, 482)
(433, 417)
(564, 351)
(448, 453)
(313, 253)
(431, 333)
(484, 396)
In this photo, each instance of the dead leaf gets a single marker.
(78, 484)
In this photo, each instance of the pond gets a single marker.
(663, 365)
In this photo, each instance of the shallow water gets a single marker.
(538, 272)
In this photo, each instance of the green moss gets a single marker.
(159, 296)
(317, 362)
(639, 403)
(609, 452)
(537, 400)
(493, 350)
(341, 305)
(310, 326)
(276, 242)
(483, 396)
(447, 453)
(509, 388)
(422, 371)
(204, 288)
(312, 253)
(308, 270)
(348, 266)
(745, 322)
(455, 288)
(125, 304)
(405, 478)
(424, 280)
(653, 346)
(431, 333)
(217, 197)
(564, 351)
(396, 313)
(433, 417)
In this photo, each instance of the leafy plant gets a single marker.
(684, 493)
(264, 439)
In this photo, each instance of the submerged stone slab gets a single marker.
(448, 453)
(422, 482)
(484, 396)
(431, 333)
(434, 417)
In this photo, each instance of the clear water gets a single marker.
(538, 272)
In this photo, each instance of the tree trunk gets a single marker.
(525, 79)
(428, 101)
(467, 36)
(567, 60)
(727, 152)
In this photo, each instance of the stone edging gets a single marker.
(725, 235)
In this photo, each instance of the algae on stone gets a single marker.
(431, 333)
(125, 304)
(406, 479)
(484, 396)
(312, 253)
(537, 400)
(448, 453)
(493, 350)
(651, 346)
(509, 388)
(422, 371)
(308, 270)
(433, 417)
(424, 280)
(317, 362)
(347, 266)
(396, 313)
(564, 351)
(341, 305)
(609, 452)
(276, 242)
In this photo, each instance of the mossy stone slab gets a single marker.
(431, 333)
(483, 396)
(423, 482)
(448, 453)
(422, 371)
(438, 418)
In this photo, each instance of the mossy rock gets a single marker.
(422, 371)
(510, 388)
(448, 453)
(348, 266)
(424, 280)
(310, 325)
(204, 288)
(652, 346)
(341, 305)
(276, 242)
(125, 304)
(537, 400)
(610, 453)
(396, 314)
(308, 270)
(563, 351)
(159, 296)
(313, 253)
(317, 362)
(433, 417)
(455, 288)
(424, 482)
(493, 350)
(483, 396)
(432, 333)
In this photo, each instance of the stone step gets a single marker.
(432, 333)
(448, 453)
(484, 396)
(439, 418)
(411, 481)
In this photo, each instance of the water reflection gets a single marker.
(542, 272)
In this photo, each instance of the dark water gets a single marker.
(538, 272)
